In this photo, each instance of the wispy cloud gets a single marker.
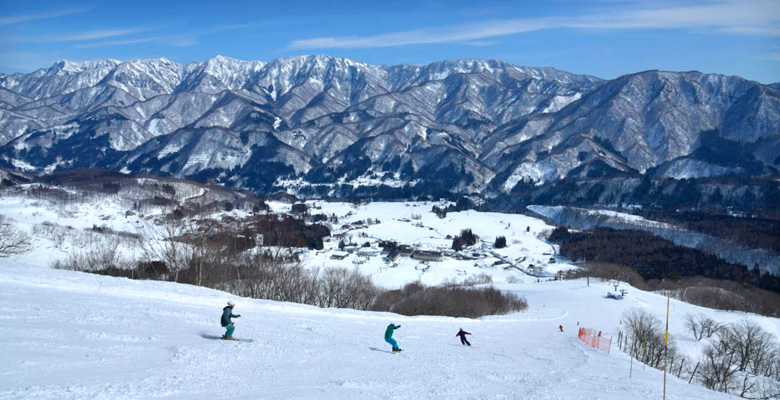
(754, 17)
(481, 43)
(181, 40)
(736, 16)
(18, 19)
(88, 36)
(117, 42)
(227, 28)
(460, 33)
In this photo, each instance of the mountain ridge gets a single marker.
(462, 126)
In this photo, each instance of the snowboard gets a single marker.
(239, 340)
(221, 338)
(385, 351)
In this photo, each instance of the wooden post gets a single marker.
(631, 366)
(681, 365)
(694, 371)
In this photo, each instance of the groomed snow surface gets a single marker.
(71, 335)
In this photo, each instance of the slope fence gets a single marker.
(594, 339)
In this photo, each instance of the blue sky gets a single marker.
(605, 38)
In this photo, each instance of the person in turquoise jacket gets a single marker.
(227, 314)
(389, 336)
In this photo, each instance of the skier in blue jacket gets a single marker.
(389, 336)
(227, 314)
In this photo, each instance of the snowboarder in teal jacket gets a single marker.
(227, 314)
(389, 336)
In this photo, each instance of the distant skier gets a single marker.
(227, 314)
(462, 335)
(560, 327)
(389, 337)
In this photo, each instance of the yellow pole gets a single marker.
(666, 341)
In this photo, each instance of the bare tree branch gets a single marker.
(12, 240)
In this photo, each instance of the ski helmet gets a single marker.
(231, 303)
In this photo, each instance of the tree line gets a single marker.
(755, 232)
(739, 358)
(653, 257)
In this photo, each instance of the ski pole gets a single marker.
(448, 342)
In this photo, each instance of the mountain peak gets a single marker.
(152, 61)
(66, 66)
(70, 67)
(220, 59)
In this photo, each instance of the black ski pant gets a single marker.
(464, 341)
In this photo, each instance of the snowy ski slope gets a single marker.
(70, 335)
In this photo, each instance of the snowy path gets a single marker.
(69, 335)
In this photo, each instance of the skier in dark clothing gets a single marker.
(227, 323)
(389, 336)
(462, 335)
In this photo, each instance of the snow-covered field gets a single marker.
(413, 223)
(410, 223)
(71, 335)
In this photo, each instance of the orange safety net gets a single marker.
(593, 339)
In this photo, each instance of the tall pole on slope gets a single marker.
(666, 341)
(631, 365)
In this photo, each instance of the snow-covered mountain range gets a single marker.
(466, 126)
